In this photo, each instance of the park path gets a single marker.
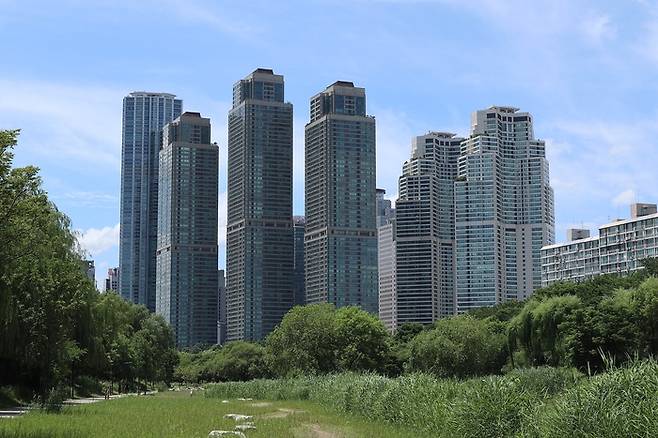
(17, 411)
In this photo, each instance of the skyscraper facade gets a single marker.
(385, 213)
(503, 209)
(187, 279)
(425, 230)
(341, 227)
(386, 265)
(387, 273)
(90, 270)
(619, 249)
(299, 227)
(144, 116)
(221, 307)
(112, 280)
(259, 254)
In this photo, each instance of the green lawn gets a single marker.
(175, 414)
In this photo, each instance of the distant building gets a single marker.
(425, 230)
(618, 249)
(298, 229)
(90, 270)
(503, 209)
(112, 280)
(385, 213)
(341, 225)
(221, 308)
(259, 249)
(144, 116)
(386, 260)
(387, 275)
(186, 287)
(575, 260)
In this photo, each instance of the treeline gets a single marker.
(585, 325)
(56, 329)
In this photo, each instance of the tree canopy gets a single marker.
(54, 324)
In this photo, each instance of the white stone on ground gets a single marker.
(245, 427)
(219, 433)
(239, 417)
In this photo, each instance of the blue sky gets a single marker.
(587, 70)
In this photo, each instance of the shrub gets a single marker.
(494, 406)
(461, 346)
(497, 405)
(53, 400)
(620, 403)
(320, 339)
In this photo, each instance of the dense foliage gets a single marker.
(533, 402)
(495, 406)
(577, 325)
(586, 323)
(313, 339)
(462, 346)
(236, 361)
(319, 338)
(54, 325)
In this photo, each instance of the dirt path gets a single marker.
(316, 430)
(17, 411)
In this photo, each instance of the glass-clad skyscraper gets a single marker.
(187, 280)
(425, 229)
(259, 253)
(144, 116)
(503, 209)
(299, 227)
(341, 227)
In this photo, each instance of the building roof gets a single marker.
(267, 71)
(627, 221)
(572, 242)
(342, 84)
(151, 93)
(505, 109)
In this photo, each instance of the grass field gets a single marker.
(530, 403)
(176, 414)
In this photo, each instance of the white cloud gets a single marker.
(208, 13)
(600, 156)
(88, 199)
(394, 134)
(98, 240)
(65, 123)
(598, 28)
(624, 198)
(648, 44)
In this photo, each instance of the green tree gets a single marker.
(304, 342)
(460, 346)
(540, 328)
(361, 340)
(43, 289)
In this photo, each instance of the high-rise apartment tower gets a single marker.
(186, 286)
(503, 209)
(341, 228)
(144, 116)
(299, 227)
(259, 253)
(425, 230)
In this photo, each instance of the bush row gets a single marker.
(535, 402)
(491, 406)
